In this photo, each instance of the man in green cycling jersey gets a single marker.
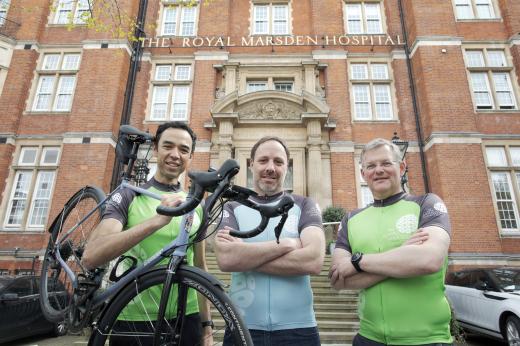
(395, 250)
(131, 226)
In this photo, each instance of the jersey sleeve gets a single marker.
(434, 213)
(117, 206)
(342, 241)
(310, 216)
(228, 217)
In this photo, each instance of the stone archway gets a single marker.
(301, 120)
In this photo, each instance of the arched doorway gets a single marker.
(301, 120)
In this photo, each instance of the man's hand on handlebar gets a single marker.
(170, 201)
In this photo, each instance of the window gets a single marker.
(271, 19)
(4, 6)
(253, 86)
(30, 196)
(475, 9)
(56, 82)
(171, 91)
(71, 11)
(179, 20)
(285, 84)
(371, 91)
(363, 18)
(366, 196)
(504, 165)
(490, 79)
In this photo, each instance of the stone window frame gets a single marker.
(508, 69)
(179, 18)
(390, 81)
(512, 174)
(35, 168)
(271, 4)
(41, 71)
(361, 184)
(75, 17)
(4, 9)
(171, 83)
(363, 3)
(472, 4)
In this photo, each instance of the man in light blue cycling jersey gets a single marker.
(270, 283)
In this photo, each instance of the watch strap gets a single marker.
(208, 324)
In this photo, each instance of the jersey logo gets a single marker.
(407, 223)
(225, 214)
(117, 198)
(440, 207)
(243, 294)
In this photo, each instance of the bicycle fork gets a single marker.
(175, 261)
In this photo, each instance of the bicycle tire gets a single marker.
(207, 286)
(56, 289)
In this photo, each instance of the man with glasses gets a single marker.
(395, 250)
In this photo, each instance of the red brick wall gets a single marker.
(457, 171)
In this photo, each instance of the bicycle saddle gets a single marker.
(132, 131)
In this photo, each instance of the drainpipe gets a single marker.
(411, 79)
(135, 60)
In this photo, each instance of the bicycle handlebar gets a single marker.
(200, 183)
(218, 182)
(267, 212)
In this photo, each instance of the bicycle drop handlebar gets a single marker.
(218, 182)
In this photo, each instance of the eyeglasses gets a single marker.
(385, 164)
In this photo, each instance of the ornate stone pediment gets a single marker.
(269, 110)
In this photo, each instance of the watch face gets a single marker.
(356, 257)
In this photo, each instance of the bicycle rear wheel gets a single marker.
(223, 312)
(56, 288)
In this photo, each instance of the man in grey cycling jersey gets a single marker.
(270, 282)
(131, 226)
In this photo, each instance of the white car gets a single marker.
(487, 301)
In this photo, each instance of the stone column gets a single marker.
(310, 76)
(314, 159)
(225, 141)
(231, 77)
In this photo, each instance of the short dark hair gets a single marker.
(175, 125)
(267, 139)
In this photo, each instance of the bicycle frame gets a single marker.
(176, 249)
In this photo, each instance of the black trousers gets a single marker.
(360, 340)
(191, 335)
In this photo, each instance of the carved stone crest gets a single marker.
(270, 110)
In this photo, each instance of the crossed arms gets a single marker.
(293, 256)
(424, 253)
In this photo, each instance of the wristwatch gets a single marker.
(355, 259)
(208, 324)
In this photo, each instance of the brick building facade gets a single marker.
(326, 75)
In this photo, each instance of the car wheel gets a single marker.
(60, 328)
(513, 331)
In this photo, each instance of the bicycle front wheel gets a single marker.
(145, 288)
(56, 287)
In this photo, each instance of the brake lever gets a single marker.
(278, 229)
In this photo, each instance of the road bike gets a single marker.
(156, 289)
